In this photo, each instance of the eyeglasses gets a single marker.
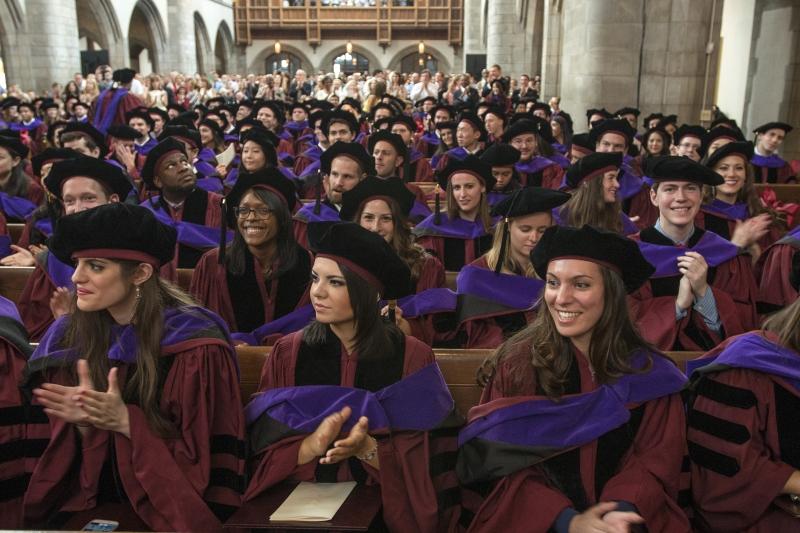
(260, 212)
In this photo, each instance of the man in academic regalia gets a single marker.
(389, 152)
(703, 290)
(688, 140)
(143, 123)
(76, 184)
(343, 166)
(616, 135)
(336, 126)
(415, 166)
(535, 168)
(769, 166)
(114, 103)
(194, 212)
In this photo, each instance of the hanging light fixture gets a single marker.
(277, 47)
(421, 48)
(349, 47)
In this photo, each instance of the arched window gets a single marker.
(283, 62)
(349, 63)
(415, 62)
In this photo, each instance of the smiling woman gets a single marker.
(600, 397)
(263, 274)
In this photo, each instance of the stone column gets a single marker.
(55, 49)
(505, 40)
(181, 55)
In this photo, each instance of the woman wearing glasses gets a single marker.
(263, 274)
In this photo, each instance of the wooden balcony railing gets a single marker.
(442, 18)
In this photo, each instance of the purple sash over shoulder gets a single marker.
(419, 402)
(437, 300)
(496, 198)
(771, 161)
(534, 165)
(629, 185)
(288, 323)
(752, 351)
(296, 127)
(792, 238)
(189, 233)
(311, 169)
(45, 225)
(419, 211)
(16, 206)
(560, 160)
(207, 155)
(9, 309)
(210, 184)
(714, 249)
(737, 211)
(515, 292)
(326, 213)
(105, 115)
(180, 324)
(454, 229)
(430, 138)
(145, 148)
(59, 273)
(576, 419)
(5, 245)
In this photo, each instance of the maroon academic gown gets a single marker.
(734, 287)
(552, 176)
(487, 332)
(127, 103)
(24, 439)
(35, 194)
(210, 286)
(168, 481)
(212, 219)
(742, 502)
(420, 168)
(775, 291)
(647, 475)
(407, 492)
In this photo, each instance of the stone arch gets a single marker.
(12, 39)
(202, 44)
(257, 65)
(326, 65)
(98, 23)
(223, 48)
(151, 36)
(441, 58)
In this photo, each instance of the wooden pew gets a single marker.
(13, 280)
(15, 231)
(251, 359)
(787, 192)
(680, 358)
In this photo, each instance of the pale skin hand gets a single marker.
(694, 268)
(316, 444)
(358, 442)
(603, 518)
(685, 297)
(222, 170)
(84, 406)
(125, 157)
(22, 257)
(60, 302)
(748, 232)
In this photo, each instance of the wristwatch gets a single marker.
(370, 454)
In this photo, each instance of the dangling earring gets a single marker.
(138, 293)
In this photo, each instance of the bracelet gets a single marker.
(371, 453)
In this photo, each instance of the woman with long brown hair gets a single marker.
(733, 210)
(463, 233)
(335, 371)
(580, 427)
(382, 206)
(595, 185)
(140, 386)
(743, 444)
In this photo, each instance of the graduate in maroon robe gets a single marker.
(580, 427)
(770, 167)
(416, 167)
(533, 137)
(743, 432)
(350, 346)
(152, 423)
(20, 195)
(704, 289)
(24, 430)
(196, 213)
(263, 274)
(733, 210)
(76, 185)
(775, 291)
(114, 103)
(499, 291)
(462, 234)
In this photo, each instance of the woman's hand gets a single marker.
(357, 443)
(401, 322)
(750, 231)
(22, 257)
(60, 401)
(316, 444)
(60, 302)
(105, 410)
(594, 519)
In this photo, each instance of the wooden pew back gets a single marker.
(13, 280)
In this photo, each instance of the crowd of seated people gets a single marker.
(357, 240)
